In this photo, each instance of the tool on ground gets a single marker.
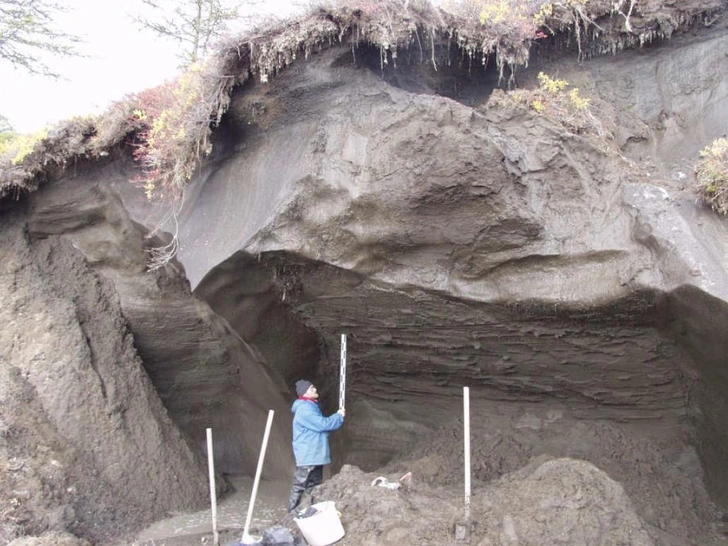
(247, 539)
(342, 374)
(406, 481)
(381, 481)
(213, 490)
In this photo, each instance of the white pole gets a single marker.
(342, 374)
(247, 539)
(466, 422)
(213, 491)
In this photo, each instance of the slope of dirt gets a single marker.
(204, 374)
(86, 444)
(560, 501)
(663, 481)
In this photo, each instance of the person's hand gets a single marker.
(342, 412)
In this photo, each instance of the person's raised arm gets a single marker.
(312, 419)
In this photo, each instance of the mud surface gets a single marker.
(232, 511)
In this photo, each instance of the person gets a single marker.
(310, 441)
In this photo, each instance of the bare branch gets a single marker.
(192, 23)
(27, 32)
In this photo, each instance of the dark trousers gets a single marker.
(304, 480)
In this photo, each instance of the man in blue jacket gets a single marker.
(310, 441)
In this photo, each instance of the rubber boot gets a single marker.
(294, 500)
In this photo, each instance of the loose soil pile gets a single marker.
(536, 480)
(558, 501)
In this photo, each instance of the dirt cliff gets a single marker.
(459, 222)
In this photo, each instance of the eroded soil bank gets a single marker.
(459, 238)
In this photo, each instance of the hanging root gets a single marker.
(160, 256)
(618, 8)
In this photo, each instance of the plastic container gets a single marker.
(323, 528)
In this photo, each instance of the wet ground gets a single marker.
(232, 509)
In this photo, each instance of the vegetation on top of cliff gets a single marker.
(167, 128)
(712, 175)
(560, 101)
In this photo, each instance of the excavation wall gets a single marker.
(459, 238)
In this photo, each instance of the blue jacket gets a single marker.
(311, 433)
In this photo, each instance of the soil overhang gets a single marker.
(455, 236)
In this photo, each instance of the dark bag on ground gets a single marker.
(280, 536)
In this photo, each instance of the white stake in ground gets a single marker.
(247, 539)
(466, 423)
(342, 374)
(213, 491)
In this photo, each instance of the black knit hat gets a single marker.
(302, 386)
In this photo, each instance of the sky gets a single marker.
(120, 59)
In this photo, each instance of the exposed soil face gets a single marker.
(474, 245)
(82, 428)
(459, 239)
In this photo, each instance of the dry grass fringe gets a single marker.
(390, 25)
(170, 143)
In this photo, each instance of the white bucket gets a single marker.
(323, 528)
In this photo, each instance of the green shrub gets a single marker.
(15, 147)
(712, 175)
(558, 100)
(174, 120)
